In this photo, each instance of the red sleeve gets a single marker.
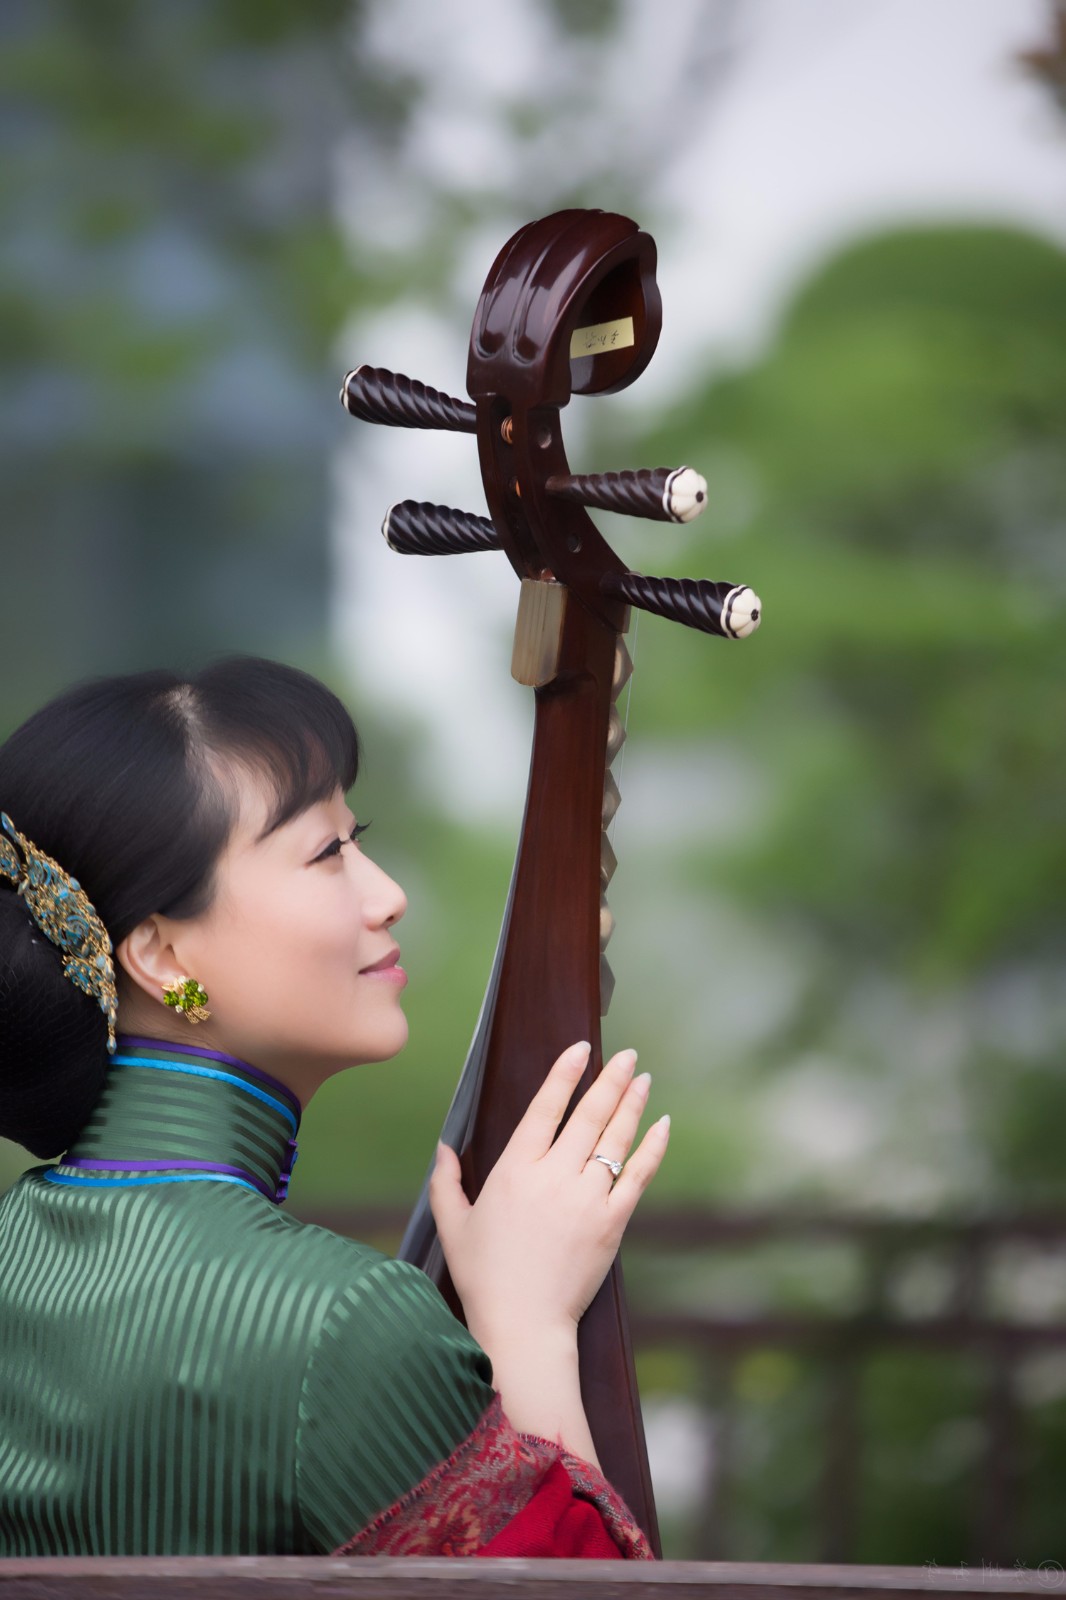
(555, 1523)
(503, 1493)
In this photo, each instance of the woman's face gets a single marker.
(295, 950)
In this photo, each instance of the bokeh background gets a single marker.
(840, 935)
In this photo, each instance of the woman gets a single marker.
(185, 1368)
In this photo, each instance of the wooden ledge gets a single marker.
(387, 1578)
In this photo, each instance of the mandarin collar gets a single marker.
(166, 1103)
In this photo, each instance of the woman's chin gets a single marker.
(385, 1044)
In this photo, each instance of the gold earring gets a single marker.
(185, 995)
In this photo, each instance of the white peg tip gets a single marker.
(685, 495)
(741, 612)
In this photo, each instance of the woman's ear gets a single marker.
(148, 957)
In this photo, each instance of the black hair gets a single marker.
(122, 781)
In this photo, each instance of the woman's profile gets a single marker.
(192, 940)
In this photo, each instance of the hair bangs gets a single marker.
(291, 731)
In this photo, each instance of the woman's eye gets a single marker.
(335, 845)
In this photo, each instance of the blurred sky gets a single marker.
(842, 116)
(830, 118)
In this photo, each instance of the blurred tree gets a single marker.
(173, 278)
(893, 484)
(856, 943)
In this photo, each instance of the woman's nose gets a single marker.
(385, 900)
(398, 903)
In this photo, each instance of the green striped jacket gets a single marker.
(185, 1368)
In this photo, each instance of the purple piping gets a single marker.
(162, 1045)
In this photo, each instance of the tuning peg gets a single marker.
(418, 528)
(730, 610)
(374, 394)
(665, 494)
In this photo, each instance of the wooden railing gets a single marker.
(387, 1578)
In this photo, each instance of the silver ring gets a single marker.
(615, 1166)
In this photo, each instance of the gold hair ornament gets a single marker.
(187, 996)
(64, 913)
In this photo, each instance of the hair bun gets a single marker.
(53, 1039)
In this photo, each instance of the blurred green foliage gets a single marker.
(896, 491)
(901, 710)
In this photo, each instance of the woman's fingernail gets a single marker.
(643, 1083)
(663, 1125)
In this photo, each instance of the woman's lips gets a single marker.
(387, 969)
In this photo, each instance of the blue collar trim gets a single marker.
(52, 1176)
(208, 1072)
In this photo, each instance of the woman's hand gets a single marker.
(530, 1253)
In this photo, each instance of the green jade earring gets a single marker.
(186, 995)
